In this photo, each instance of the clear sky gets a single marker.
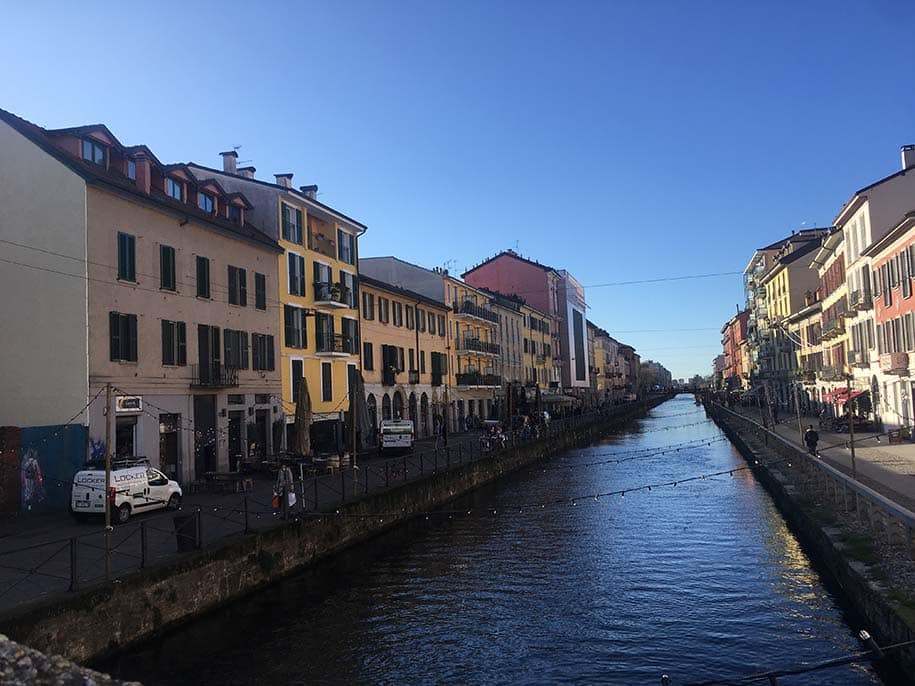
(618, 140)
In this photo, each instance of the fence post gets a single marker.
(366, 468)
(199, 529)
(420, 464)
(316, 492)
(246, 507)
(142, 545)
(405, 467)
(460, 453)
(342, 484)
(285, 496)
(387, 474)
(73, 567)
(447, 458)
(302, 491)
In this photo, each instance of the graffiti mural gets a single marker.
(50, 456)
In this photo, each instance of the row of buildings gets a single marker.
(829, 311)
(204, 296)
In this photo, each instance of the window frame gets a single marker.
(96, 147)
(168, 273)
(206, 202)
(238, 286)
(127, 257)
(327, 382)
(174, 343)
(260, 291)
(170, 185)
(122, 337)
(203, 284)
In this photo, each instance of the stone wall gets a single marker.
(102, 621)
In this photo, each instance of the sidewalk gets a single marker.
(888, 469)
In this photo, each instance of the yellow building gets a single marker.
(475, 354)
(404, 354)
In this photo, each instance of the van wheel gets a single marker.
(174, 503)
(122, 514)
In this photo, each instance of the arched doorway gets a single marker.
(398, 405)
(411, 404)
(372, 406)
(424, 415)
(385, 406)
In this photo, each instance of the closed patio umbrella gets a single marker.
(303, 420)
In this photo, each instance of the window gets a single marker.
(205, 202)
(174, 189)
(346, 247)
(384, 310)
(323, 273)
(203, 277)
(167, 268)
(441, 325)
(122, 334)
(292, 224)
(127, 257)
(368, 359)
(411, 356)
(236, 348)
(93, 152)
(327, 382)
(420, 320)
(297, 369)
(238, 286)
(350, 336)
(174, 343)
(262, 398)
(422, 361)
(131, 170)
(262, 354)
(296, 274)
(409, 312)
(296, 333)
(398, 314)
(348, 283)
(324, 332)
(400, 356)
(368, 306)
(235, 399)
(235, 214)
(431, 322)
(260, 291)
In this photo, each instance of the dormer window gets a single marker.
(131, 170)
(235, 214)
(174, 189)
(93, 152)
(205, 202)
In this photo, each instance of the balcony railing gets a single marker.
(807, 375)
(860, 300)
(471, 309)
(833, 328)
(859, 358)
(388, 377)
(478, 346)
(832, 373)
(413, 378)
(332, 294)
(894, 363)
(477, 379)
(213, 375)
(335, 344)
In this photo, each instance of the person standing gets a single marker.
(811, 438)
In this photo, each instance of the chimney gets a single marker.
(247, 172)
(229, 159)
(310, 192)
(908, 156)
(144, 174)
(284, 180)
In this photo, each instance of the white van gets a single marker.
(135, 488)
(396, 434)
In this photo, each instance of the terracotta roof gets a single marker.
(513, 255)
(113, 181)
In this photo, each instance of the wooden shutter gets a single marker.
(114, 335)
(168, 342)
(131, 337)
(298, 227)
(182, 343)
(233, 286)
(270, 355)
(230, 348)
(242, 287)
(260, 291)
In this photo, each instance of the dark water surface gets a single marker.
(699, 580)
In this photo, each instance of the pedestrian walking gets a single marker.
(811, 438)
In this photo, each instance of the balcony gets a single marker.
(860, 300)
(413, 378)
(470, 309)
(834, 373)
(540, 359)
(832, 329)
(335, 345)
(894, 363)
(859, 358)
(213, 375)
(389, 377)
(807, 376)
(332, 295)
(476, 379)
(475, 345)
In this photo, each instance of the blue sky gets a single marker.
(621, 141)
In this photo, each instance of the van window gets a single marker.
(156, 478)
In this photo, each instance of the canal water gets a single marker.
(535, 581)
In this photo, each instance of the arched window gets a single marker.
(372, 406)
(385, 406)
(424, 415)
(398, 405)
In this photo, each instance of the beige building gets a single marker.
(177, 288)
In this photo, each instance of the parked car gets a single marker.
(133, 488)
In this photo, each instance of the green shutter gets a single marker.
(270, 358)
(114, 335)
(298, 224)
(167, 342)
(131, 337)
(243, 346)
(182, 344)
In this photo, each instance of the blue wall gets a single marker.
(60, 452)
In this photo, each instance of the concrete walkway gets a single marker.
(888, 469)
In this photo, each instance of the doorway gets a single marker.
(236, 453)
(125, 437)
(169, 458)
(205, 455)
(261, 431)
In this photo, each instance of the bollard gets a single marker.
(73, 567)
(142, 545)
(199, 529)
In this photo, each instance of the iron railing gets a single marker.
(214, 375)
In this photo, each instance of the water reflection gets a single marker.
(699, 580)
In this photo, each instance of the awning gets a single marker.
(834, 394)
(850, 396)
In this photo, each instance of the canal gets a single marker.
(535, 581)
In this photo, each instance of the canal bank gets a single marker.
(535, 580)
(863, 541)
(105, 619)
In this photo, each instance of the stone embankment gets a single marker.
(103, 620)
(22, 666)
(862, 540)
